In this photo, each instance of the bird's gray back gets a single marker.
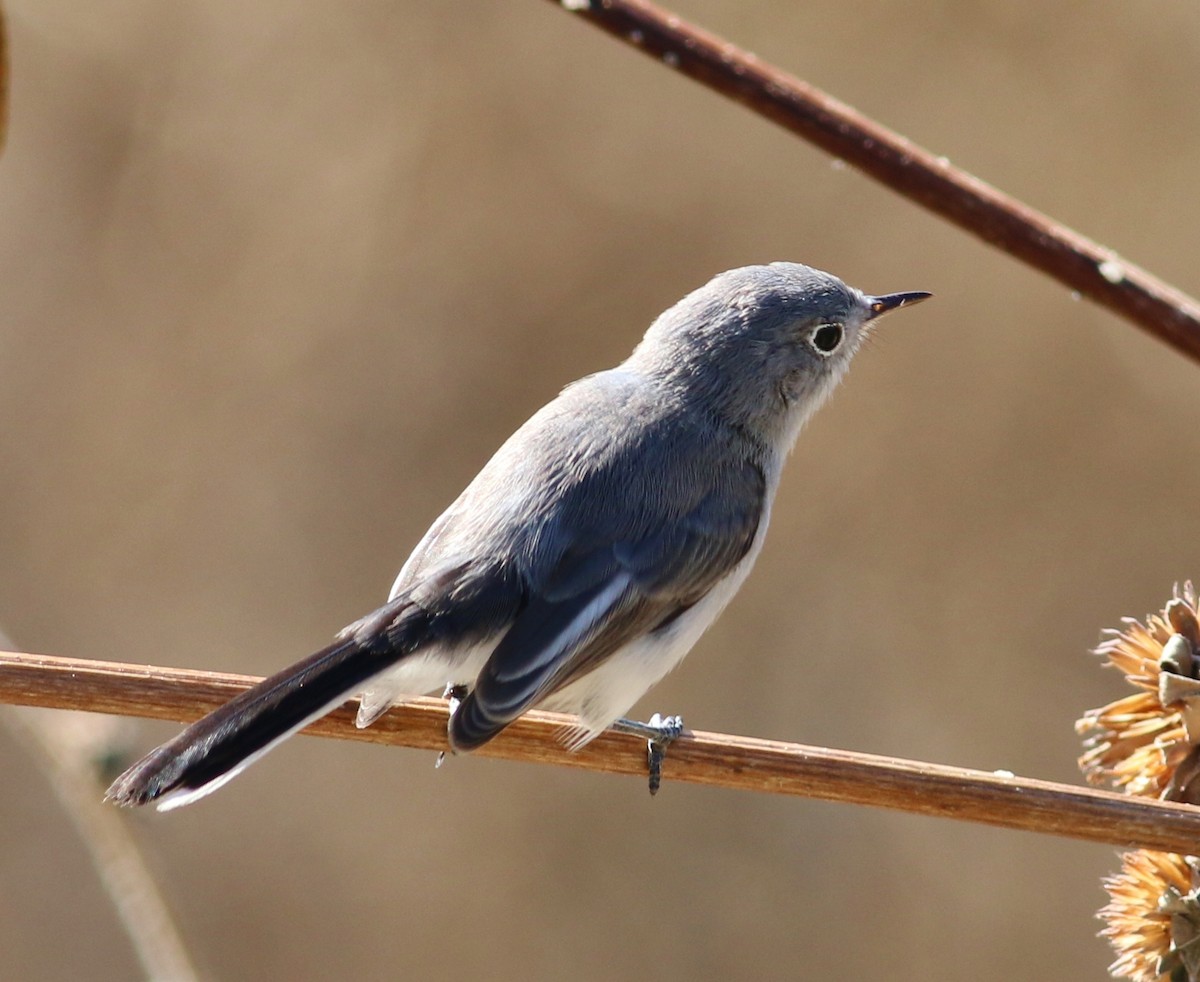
(614, 462)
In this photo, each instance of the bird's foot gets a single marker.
(455, 693)
(660, 732)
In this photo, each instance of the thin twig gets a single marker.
(715, 759)
(1077, 262)
(118, 862)
(126, 879)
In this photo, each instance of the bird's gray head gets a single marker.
(762, 346)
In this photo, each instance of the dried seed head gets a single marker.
(1152, 919)
(1136, 744)
(1181, 615)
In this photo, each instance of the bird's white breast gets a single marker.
(607, 693)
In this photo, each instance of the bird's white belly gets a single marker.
(607, 692)
(603, 695)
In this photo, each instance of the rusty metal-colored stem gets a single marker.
(716, 759)
(1074, 260)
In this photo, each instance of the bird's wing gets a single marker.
(605, 590)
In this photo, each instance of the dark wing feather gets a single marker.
(602, 594)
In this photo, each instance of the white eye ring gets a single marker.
(825, 339)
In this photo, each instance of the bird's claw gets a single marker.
(455, 693)
(660, 732)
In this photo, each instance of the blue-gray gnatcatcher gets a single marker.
(594, 548)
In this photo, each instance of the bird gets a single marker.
(592, 550)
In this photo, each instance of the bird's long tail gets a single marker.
(222, 744)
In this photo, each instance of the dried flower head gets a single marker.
(1151, 917)
(1145, 744)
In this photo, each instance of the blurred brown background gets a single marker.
(279, 277)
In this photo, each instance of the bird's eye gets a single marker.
(826, 338)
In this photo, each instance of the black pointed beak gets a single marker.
(893, 301)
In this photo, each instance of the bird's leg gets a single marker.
(455, 693)
(660, 732)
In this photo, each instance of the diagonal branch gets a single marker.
(1036, 239)
(121, 869)
(716, 759)
(71, 773)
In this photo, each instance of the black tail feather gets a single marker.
(460, 604)
(215, 748)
